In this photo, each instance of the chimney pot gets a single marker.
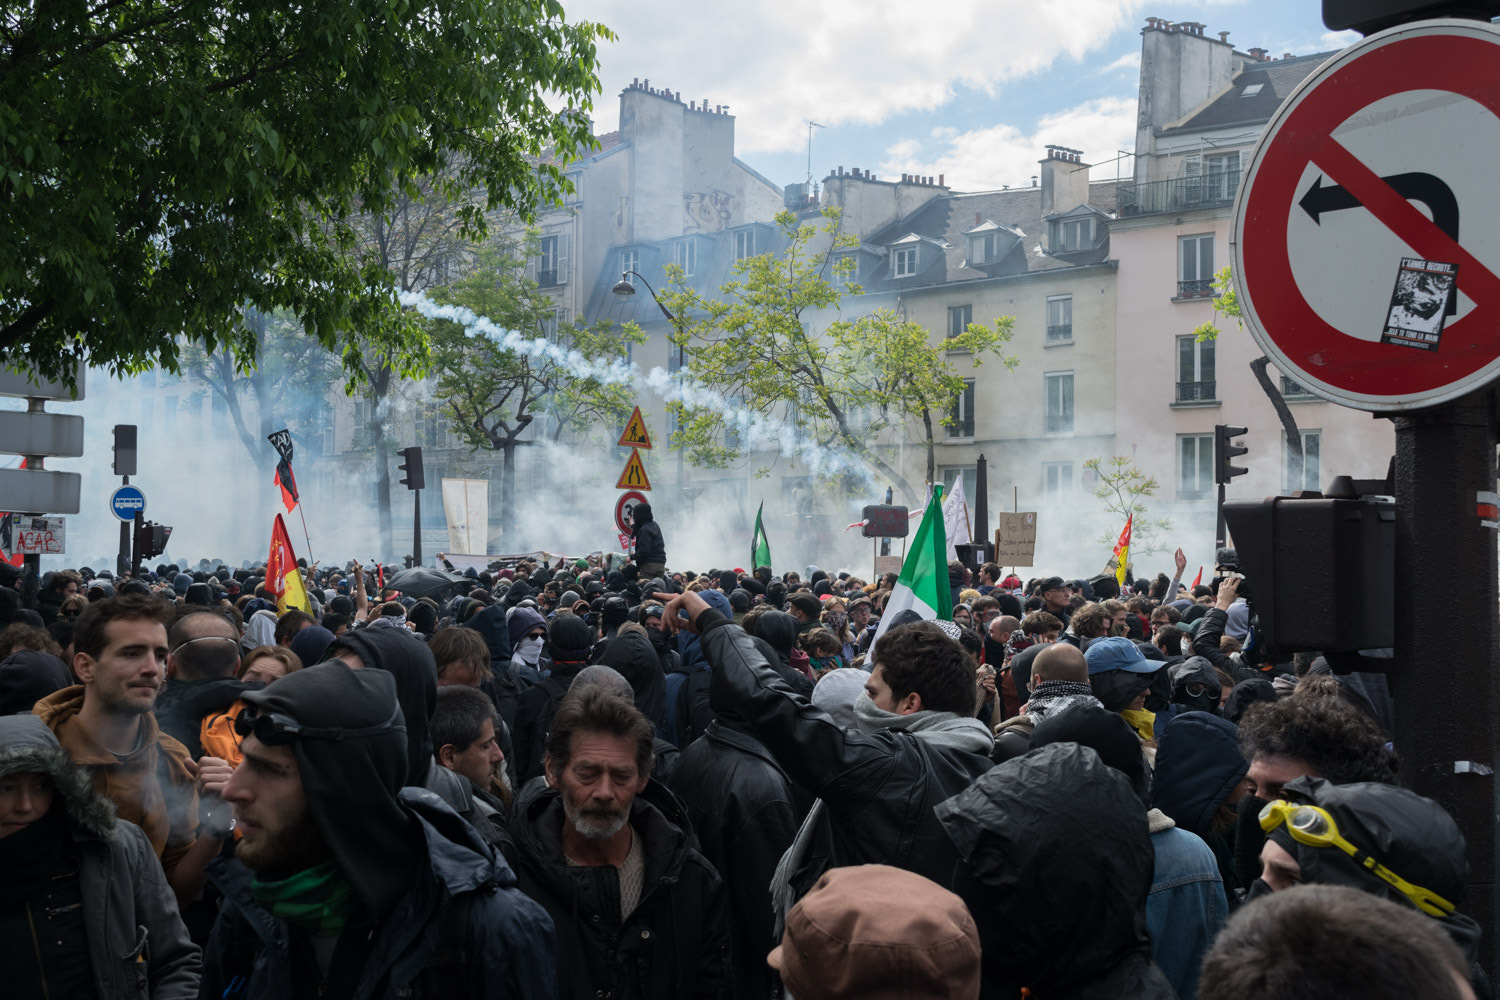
(940, 181)
(1224, 37)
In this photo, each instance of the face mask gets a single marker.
(530, 650)
(1141, 721)
(1260, 887)
(837, 621)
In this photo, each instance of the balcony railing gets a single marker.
(1061, 331)
(962, 429)
(547, 278)
(1055, 423)
(1196, 392)
(1202, 288)
(1180, 194)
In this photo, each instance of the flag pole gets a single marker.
(305, 536)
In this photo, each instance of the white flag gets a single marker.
(956, 518)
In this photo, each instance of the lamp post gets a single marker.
(625, 288)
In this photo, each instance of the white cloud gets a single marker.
(987, 158)
(1130, 61)
(780, 62)
(1337, 40)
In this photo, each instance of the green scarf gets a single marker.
(319, 899)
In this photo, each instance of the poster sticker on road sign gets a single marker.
(1367, 234)
(1419, 304)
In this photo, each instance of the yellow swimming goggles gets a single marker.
(1314, 827)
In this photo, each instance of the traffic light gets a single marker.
(1370, 16)
(1322, 571)
(124, 449)
(1224, 451)
(411, 465)
(151, 540)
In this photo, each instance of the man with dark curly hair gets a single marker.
(1317, 736)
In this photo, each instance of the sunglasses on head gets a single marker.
(276, 729)
(1314, 826)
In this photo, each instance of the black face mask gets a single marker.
(1249, 838)
(1258, 888)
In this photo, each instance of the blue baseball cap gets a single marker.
(1117, 652)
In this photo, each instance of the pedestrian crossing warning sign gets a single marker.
(634, 476)
(635, 435)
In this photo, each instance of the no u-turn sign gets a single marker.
(1367, 232)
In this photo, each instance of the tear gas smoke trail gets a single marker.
(751, 427)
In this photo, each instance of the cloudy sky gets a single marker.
(972, 89)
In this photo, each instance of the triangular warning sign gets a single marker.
(634, 476)
(635, 435)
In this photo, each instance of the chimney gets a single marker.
(1259, 54)
(1224, 37)
(940, 181)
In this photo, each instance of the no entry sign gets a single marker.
(1367, 233)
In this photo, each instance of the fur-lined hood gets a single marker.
(27, 746)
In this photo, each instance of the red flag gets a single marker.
(1122, 551)
(288, 484)
(1199, 578)
(283, 578)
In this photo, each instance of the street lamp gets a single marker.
(625, 288)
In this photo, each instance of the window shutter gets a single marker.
(564, 256)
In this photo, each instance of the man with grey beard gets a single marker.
(639, 913)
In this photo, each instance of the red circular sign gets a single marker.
(1458, 57)
(623, 506)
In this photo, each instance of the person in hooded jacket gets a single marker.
(528, 640)
(632, 654)
(1056, 867)
(568, 643)
(1199, 782)
(1411, 839)
(84, 908)
(639, 913)
(1186, 905)
(503, 686)
(746, 811)
(26, 677)
(650, 547)
(347, 884)
(1123, 679)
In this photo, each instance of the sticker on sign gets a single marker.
(21, 535)
(1366, 233)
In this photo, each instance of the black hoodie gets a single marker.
(182, 705)
(408, 659)
(632, 654)
(26, 677)
(1057, 864)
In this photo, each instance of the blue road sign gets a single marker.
(126, 501)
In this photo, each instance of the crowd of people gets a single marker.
(607, 779)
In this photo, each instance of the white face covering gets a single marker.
(530, 650)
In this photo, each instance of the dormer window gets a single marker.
(984, 249)
(1071, 234)
(904, 262)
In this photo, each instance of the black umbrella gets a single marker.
(425, 581)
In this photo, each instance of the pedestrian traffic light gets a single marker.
(124, 449)
(411, 465)
(1224, 451)
(151, 540)
(1323, 571)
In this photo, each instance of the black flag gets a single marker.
(282, 441)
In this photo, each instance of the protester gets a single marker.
(201, 688)
(265, 664)
(569, 641)
(84, 908)
(344, 882)
(638, 912)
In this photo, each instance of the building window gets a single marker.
(1195, 266)
(687, 257)
(1058, 409)
(546, 270)
(1195, 465)
(552, 323)
(630, 260)
(1195, 370)
(950, 474)
(744, 244)
(1221, 180)
(1059, 319)
(1292, 389)
(904, 262)
(962, 423)
(984, 249)
(959, 318)
(1071, 234)
(1312, 447)
(1057, 480)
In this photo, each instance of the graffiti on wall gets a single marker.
(709, 211)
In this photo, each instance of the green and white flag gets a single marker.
(923, 584)
(760, 549)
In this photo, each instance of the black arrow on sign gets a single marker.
(1425, 188)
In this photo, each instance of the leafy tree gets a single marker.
(286, 386)
(1227, 304)
(162, 165)
(831, 387)
(496, 393)
(1124, 488)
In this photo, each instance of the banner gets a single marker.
(466, 506)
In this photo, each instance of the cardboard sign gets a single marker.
(1015, 539)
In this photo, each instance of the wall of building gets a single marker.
(1182, 66)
